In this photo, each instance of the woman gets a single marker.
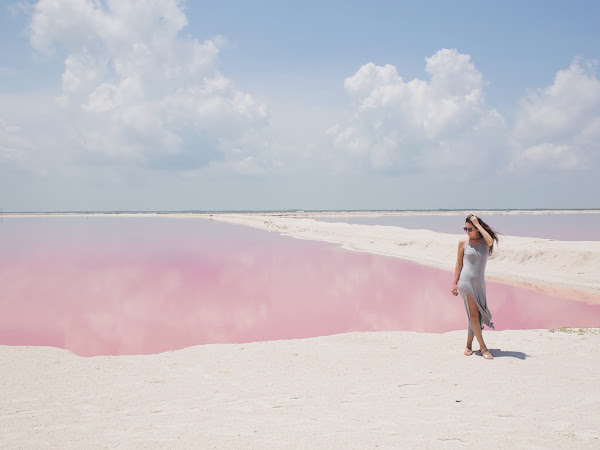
(469, 279)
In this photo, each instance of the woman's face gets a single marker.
(471, 231)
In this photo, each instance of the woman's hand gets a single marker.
(489, 241)
(454, 289)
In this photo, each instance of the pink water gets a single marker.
(117, 285)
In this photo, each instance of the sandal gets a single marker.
(468, 351)
(486, 353)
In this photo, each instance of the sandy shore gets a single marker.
(357, 390)
(543, 264)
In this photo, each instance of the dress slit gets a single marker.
(472, 281)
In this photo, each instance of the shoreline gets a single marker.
(554, 267)
(560, 268)
(349, 390)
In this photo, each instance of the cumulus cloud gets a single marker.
(417, 125)
(559, 126)
(134, 89)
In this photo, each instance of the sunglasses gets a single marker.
(468, 229)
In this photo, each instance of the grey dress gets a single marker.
(472, 281)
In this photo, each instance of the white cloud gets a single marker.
(134, 90)
(401, 126)
(548, 156)
(559, 126)
(137, 93)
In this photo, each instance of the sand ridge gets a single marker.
(528, 261)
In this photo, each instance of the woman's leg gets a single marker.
(470, 335)
(476, 326)
(469, 346)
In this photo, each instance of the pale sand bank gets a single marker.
(357, 390)
(551, 264)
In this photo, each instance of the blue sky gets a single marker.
(168, 105)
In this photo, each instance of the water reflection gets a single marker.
(147, 285)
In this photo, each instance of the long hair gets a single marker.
(486, 227)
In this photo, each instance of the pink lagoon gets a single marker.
(111, 285)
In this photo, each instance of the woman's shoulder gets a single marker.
(462, 243)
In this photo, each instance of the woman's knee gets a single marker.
(474, 313)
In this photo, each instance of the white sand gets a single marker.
(357, 390)
(545, 264)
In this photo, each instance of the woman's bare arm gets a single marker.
(489, 241)
(459, 265)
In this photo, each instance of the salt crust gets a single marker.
(356, 390)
